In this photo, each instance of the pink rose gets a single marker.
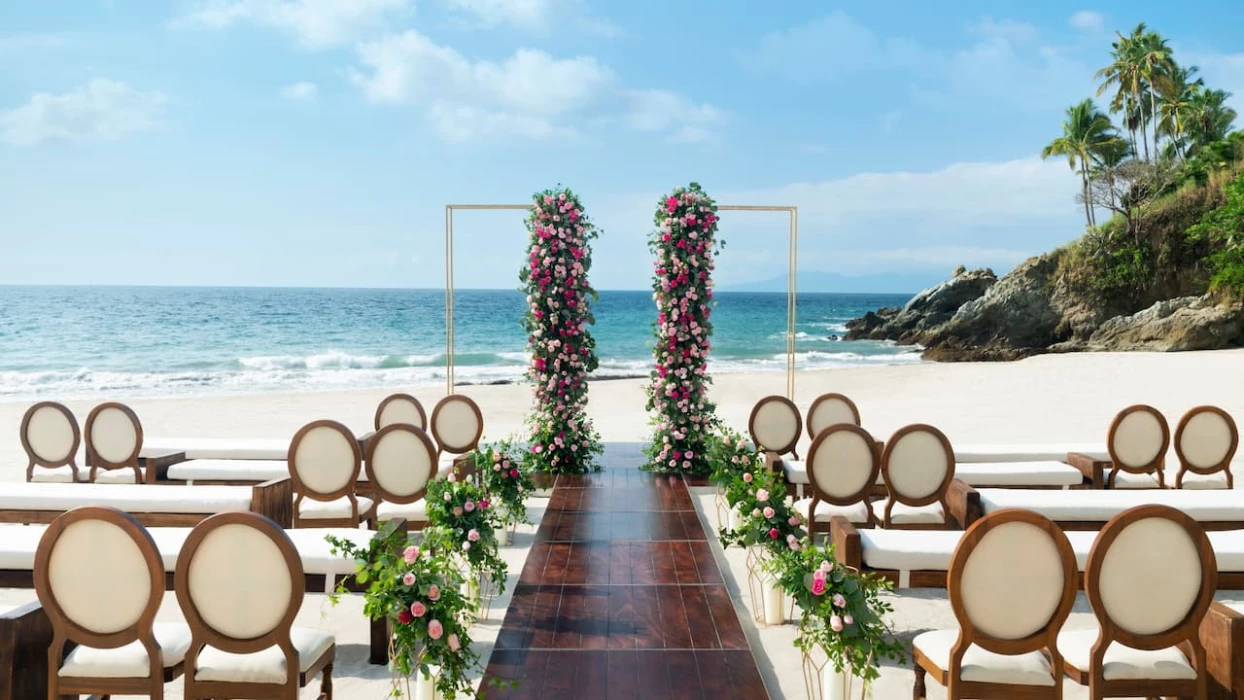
(434, 593)
(826, 566)
(436, 629)
(457, 510)
(418, 609)
(408, 579)
(755, 512)
(839, 601)
(773, 533)
(848, 619)
(835, 623)
(748, 477)
(513, 473)
(469, 506)
(454, 644)
(818, 586)
(483, 504)
(768, 512)
(473, 535)
(410, 554)
(793, 521)
(762, 495)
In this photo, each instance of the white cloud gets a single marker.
(300, 92)
(315, 23)
(100, 110)
(1087, 21)
(535, 15)
(530, 94)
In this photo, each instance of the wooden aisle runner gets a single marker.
(621, 597)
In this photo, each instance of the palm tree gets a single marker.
(1154, 62)
(1086, 132)
(1106, 163)
(1178, 92)
(1124, 74)
(1209, 118)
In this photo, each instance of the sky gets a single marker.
(317, 142)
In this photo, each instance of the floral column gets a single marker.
(563, 351)
(685, 246)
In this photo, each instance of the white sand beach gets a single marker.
(1044, 399)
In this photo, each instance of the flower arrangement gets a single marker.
(730, 454)
(418, 590)
(682, 287)
(506, 479)
(465, 522)
(768, 521)
(842, 611)
(563, 350)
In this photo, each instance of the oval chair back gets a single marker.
(457, 426)
(401, 409)
(843, 466)
(401, 461)
(831, 409)
(50, 437)
(1205, 442)
(239, 582)
(1012, 585)
(1150, 578)
(1137, 441)
(324, 463)
(775, 426)
(114, 437)
(917, 466)
(100, 577)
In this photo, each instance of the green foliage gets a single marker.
(1124, 268)
(841, 610)
(767, 520)
(1223, 229)
(465, 525)
(506, 477)
(729, 455)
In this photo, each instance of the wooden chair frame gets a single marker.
(440, 442)
(382, 494)
(348, 491)
(423, 416)
(25, 637)
(776, 450)
(1154, 467)
(938, 496)
(1044, 639)
(1224, 465)
(66, 630)
(820, 494)
(202, 634)
(855, 411)
(96, 461)
(1185, 634)
(36, 460)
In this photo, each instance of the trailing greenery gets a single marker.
(506, 477)
(1223, 228)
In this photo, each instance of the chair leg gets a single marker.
(326, 683)
(918, 691)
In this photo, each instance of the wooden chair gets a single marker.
(842, 468)
(401, 460)
(114, 437)
(401, 409)
(50, 437)
(1150, 577)
(1205, 442)
(1137, 442)
(917, 466)
(1012, 584)
(239, 582)
(457, 426)
(830, 409)
(324, 465)
(99, 576)
(775, 427)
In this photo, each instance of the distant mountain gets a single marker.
(814, 281)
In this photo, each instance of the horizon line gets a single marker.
(727, 290)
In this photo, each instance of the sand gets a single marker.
(1057, 398)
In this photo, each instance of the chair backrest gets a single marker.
(1012, 584)
(50, 437)
(457, 424)
(401, 409)
(239, 582)
(775, 425)
(918, 465)
(1137, 441)
(99, 576)
(831, 409)
(1150, 577)
(114, 437)
(843, 466)
(324, 460)
(401, 460)
(1205, 442)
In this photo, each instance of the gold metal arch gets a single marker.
(792, 264)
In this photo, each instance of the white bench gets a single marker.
(151, 505)
(218, 448)
(1090, 509)
(1037, 474)
(1044, 452)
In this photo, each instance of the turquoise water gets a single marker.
(82, 342)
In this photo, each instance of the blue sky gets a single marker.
(316, 142)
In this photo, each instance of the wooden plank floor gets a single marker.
(620, 597)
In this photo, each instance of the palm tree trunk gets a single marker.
(1088, 209)
(1153, 113)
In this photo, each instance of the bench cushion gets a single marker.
(1128, 480)
(903, 514)
(267, 666)
(414, 512)
(1055, 452)
(256, 470)
(218, 448)
(1194, 481)
(309, 509)
(983, 666)
(856, 513)
(132, 498)
(57, 475)
(1123, 662)
(1100, 506)
(1043, 473)
(130, 660)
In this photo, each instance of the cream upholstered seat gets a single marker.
(842, 469)
(1044, 474)
(114, 439)
(401, 460)
(1012, 583)
(324, 464)
(966, 453)
(239, 582)
(1150, 579)
(1088, 505)
(219, 448)
(457, 426)
(917, 465)
(100, 578)
(228, 470)
(50, 437)
(132, 498)
(775, 425)
(1137, 442)
(1206, 440)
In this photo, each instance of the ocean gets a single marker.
(94, 342)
